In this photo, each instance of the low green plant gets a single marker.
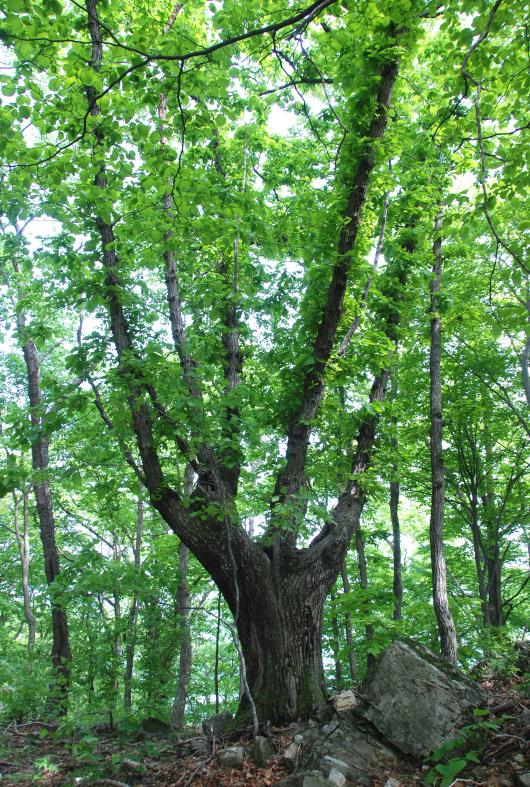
(454, 755)
(44, 766)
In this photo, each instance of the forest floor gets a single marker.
(32, 754)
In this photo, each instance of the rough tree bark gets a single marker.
(446, 628)
(275, 591)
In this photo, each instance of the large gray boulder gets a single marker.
(416, 700)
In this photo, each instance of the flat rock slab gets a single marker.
(416, 700)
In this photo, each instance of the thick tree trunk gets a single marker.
(280, 635)
(446, 628)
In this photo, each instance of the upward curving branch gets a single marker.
(291, 478)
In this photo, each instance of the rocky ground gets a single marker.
(375, 738)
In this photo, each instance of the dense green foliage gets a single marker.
(237, 161)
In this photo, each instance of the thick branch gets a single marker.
(291, 477)
(364, 297)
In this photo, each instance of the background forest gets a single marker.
(190, 194)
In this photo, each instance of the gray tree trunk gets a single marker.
(363, 581)
(61, 654)
(446, 628)
(335, 645)
(183, 601)
(24, 552)
(133, 611)
(352, 664)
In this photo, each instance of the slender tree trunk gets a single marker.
(446, 628)
(61, 654)
(133, 611)
(116, 651)
(352, 664)
(397, 584)
(335, 644)
(493, 562)
(525, 357)
(363, 581)
(91, 663)
(495, 607)
(183, 607)
(478, 555)
(23, 551)
(185, 652)
(217, 643)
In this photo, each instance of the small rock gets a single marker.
(523, 779)
(261, 751)
(216, 725)
(336, 778)
(344, 701)
(393, 782)
(232, 757)
(291, 755)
